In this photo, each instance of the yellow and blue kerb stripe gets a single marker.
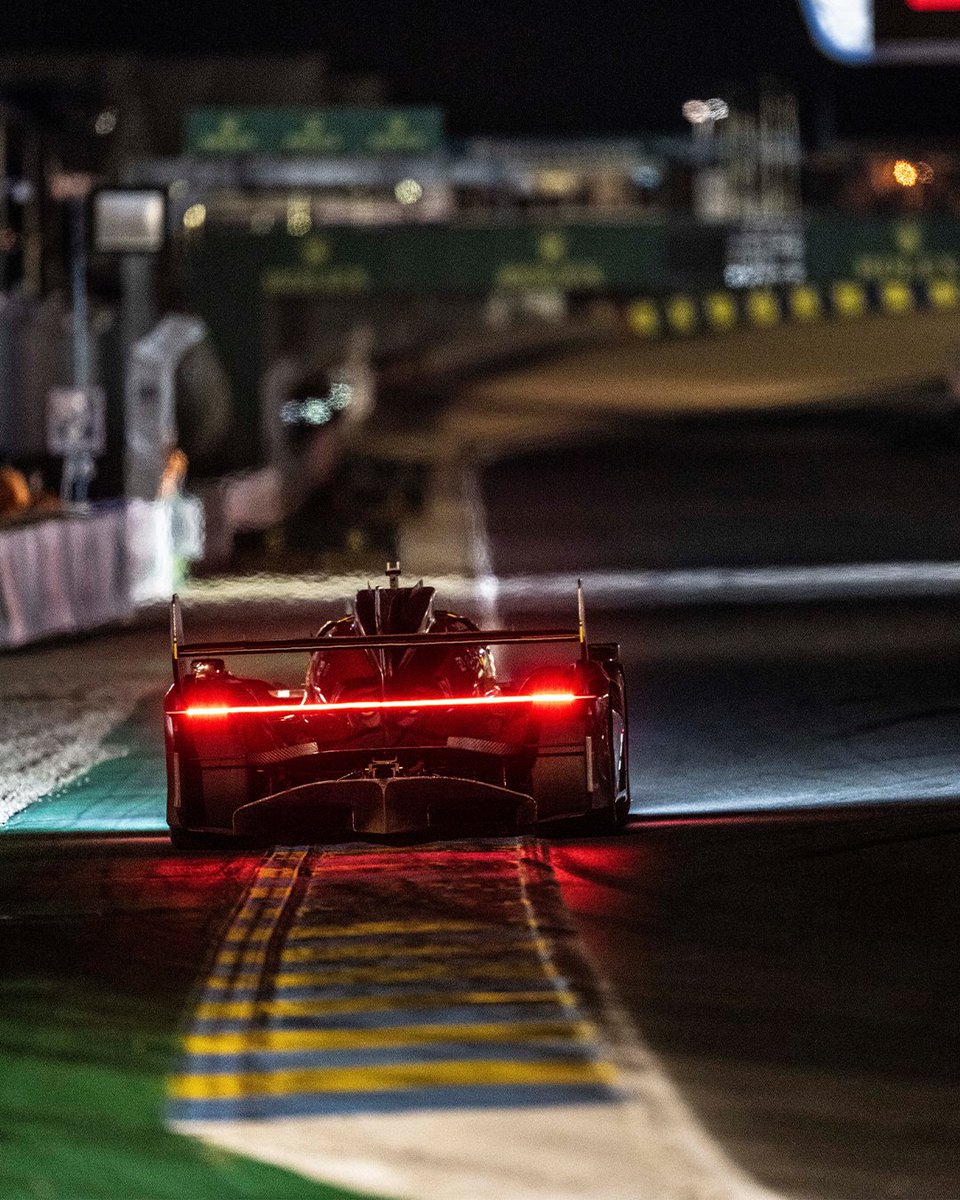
(387, 980)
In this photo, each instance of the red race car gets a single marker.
(402, 726)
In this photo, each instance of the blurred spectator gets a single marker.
(14, 492)
(174, 474)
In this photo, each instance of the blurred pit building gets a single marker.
(301, 251)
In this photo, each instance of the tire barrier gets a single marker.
(685, 314)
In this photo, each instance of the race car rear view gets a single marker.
(402, 726)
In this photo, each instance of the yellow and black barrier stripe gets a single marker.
(685, 314)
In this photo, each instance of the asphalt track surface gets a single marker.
(775, 933)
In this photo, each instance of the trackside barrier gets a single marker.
(79, 570)
(684, 314)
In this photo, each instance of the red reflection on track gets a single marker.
(594, 876)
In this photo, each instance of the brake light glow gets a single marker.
(225, 710)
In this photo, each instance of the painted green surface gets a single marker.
(314, 131)
(125, 793)
(104, 942)
(81, 1101)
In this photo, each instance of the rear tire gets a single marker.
(615, 815)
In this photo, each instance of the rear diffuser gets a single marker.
(411, 804)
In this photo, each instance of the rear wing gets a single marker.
(180, 648)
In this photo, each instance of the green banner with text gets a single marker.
(314, 131)
(874, 251)
(421, 259)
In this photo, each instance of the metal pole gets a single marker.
(78, 466)
(4, 198)
(32, 225)
(78, 282)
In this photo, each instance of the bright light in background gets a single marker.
(841, 28)
(317, 410)
(195, 216)
(299, 218)
(905, 173)
(21, 191)
(408, 191)
(702, 112)
(106, 122)
(648, 176)
(696, 112)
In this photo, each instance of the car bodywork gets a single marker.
(402, 727)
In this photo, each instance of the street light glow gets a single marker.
(905, 173)
(408, 191)
(697, 112)
(704, 112)
(195, 216)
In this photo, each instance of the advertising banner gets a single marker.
(314, 132)
(464, 260)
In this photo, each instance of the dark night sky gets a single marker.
(526, 66)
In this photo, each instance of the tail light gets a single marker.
(549, 699)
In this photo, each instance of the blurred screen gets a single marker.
(128, 220)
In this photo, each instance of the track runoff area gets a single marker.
(357, 1020)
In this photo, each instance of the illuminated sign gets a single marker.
(314, 131)
(865, 31)
(760, 253)
(918, 30)
(934, 5)
(551, 268)
(842, 29)
(880, 251)
(318, 270)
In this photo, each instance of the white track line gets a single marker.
(47, 742)
(487, 584)
(704, 585)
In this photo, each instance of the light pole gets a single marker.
(703, 116)
(78, 465)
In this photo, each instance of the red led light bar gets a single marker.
(934, 5)
(225, 710)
